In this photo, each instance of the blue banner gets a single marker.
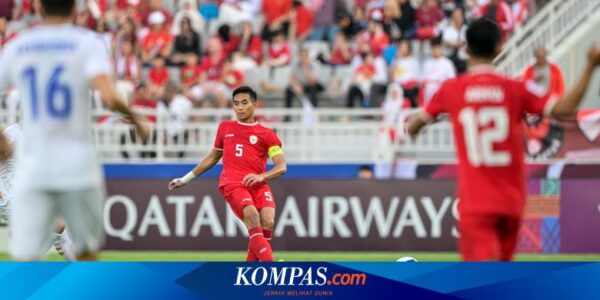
(294, 280)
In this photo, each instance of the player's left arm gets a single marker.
(568, 105)
(280, 168)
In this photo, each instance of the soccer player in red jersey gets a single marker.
(244, 146)
(486, 109)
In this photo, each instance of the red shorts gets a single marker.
(488, 237)
(239, 196)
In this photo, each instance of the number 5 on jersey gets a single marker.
(480, 141)
(239, 150)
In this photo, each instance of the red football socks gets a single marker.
(259, 246)
(268, 234)
(251, 257)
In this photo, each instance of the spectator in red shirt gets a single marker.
(341, 54)
(213, 61)
(158, 41)
(250, 42)
(229, 40)
(546, 77)
(190, 72)
(85, 19)
(301, 20)
(142, 100)
(429, 18)
(158, 76)
(500, 13)
(363, 79)
(375, 37)
(132, 10)
(277, 17)
(279, 52)
(231, 77)
(210, 86)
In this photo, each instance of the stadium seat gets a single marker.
(389, 53)
(324, 74)
(253, 76)
(317, 47)
(281, 77)
(175, 75)
(209, 10)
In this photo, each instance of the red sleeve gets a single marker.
(436, 105)
(219, 138)
(559, 81)
(272, 139)
(535, 103)
(528, 75)
(255, 48)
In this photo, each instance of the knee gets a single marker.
(252, 219)
(267, 224)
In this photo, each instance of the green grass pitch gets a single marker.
(309, 256)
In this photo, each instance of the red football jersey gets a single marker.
(486, 109)
(245, 149)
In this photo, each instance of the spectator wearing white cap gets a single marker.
(158, 41)
(148, 7)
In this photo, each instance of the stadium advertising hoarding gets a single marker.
(311, 215)
(580, 215)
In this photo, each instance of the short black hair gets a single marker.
(365, 168)
(483, 38)
(60, 8)
(246, 90)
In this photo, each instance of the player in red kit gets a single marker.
(244, 146)
(486, 110)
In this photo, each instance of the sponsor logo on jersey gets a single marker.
(253, 139)
(229, 135)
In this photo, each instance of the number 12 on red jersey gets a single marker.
(480, 141)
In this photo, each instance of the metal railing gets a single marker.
(323, 135)
(548, 28)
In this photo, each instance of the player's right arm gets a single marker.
(5, 148)
(435, 107)
(98, 70)
(566, 107)
(5, 81)
(211, 159)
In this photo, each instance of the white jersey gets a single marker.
(51, 67)
(7, 168)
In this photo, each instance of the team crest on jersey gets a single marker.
(253, 139)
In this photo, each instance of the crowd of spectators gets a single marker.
(180, 54)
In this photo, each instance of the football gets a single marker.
(406, 259)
